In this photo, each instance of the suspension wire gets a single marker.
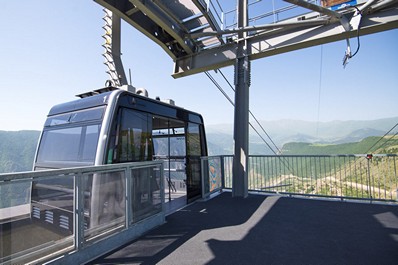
(319, 91)
(390, 139)
(382, 137)
(233, 104)
(359, 43)
(284, 161)
(219, 88)
(259, 124)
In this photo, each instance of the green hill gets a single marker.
(387, 145)
(17, 150)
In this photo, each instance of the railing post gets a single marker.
(370, 184)
(222, 172)
(79, 211)
(128, 197)
(202, 170)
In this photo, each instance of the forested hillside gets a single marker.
(17, 150)
(386, 145)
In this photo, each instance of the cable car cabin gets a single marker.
(114, 126)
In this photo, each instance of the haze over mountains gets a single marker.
(17, 148)
(220, 137)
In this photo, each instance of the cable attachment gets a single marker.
(112, 49)
(108, 55)
(347, 54)
(354, 24)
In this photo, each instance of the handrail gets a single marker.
(72, 201)
(371, 177)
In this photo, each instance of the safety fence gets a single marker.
(78, 213)
(362, 176)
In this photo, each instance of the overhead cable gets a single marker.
(233, 104)
(382, 137)
(282, 159)
(259, 124)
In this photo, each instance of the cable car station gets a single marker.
(119, 177)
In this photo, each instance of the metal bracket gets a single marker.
(112, 49)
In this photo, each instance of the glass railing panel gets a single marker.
(36, 218)
(212, 174)
(47, 214)
(147, 191)
(104, 203)
(175, 178)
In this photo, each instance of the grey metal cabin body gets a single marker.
(115, 126)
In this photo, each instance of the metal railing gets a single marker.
(78, 213)
(363, 177)
(268, 12)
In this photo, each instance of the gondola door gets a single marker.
(170, 146)
(195, 149)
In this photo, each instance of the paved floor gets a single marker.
(268, 230)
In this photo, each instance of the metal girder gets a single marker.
(154, 22)
(168, 23)
(296, 24)
(277, 41)
(171, 26)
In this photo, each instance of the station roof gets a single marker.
(198, 37)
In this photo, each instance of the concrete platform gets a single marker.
(268, 230)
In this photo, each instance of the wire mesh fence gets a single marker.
(371, 177)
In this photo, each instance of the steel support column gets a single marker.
(241, 118)
(116, 49)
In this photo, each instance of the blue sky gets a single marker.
(52, 51)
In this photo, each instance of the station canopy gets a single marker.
(200, 35)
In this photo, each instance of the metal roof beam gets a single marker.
(281, 41)
(161, 18)
(154, 22)
(296, 24)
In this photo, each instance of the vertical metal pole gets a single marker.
(169, 162)
(79, 211)
(116, 51)
(370, 184)
(222, 172)
(128, 196)
(112, 51)
(241, 118)
(202, 170)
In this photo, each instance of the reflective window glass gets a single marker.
(76, 144)
(135, 137)
(77, 116)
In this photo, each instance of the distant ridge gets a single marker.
(287, 131)
(17, 148)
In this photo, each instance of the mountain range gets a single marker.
(220, 137)
(17, 148)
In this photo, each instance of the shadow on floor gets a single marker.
(268, 230)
